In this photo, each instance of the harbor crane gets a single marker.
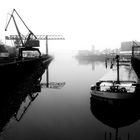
(30, 40)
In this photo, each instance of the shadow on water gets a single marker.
(17, 98)
(115, 114)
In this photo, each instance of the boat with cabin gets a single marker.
(121, 82)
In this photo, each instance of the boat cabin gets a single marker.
(29, 53)
(114, 86)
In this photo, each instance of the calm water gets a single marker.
(70, 113)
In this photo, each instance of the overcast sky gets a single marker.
(103, 23)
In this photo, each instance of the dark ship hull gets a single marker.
(17, 70)
(135, 61)
(18, 62)
(13, 103)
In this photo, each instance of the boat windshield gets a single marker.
(122, 86)
(104, 86)
(30, 54)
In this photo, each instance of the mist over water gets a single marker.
(69, 113)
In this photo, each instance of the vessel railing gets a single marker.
(116, 88)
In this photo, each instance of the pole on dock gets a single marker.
(118, 74)
(46, 44)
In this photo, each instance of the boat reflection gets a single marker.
(115, 114)
(17, 98)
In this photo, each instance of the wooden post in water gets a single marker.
(105, 136)
(110, 135)
(47, 77)
(116, 134)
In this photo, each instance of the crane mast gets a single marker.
(19, 34)
(31, 39)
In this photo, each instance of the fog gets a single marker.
(83, 23)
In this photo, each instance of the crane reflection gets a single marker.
(17, 98)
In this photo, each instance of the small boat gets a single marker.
(118, 83)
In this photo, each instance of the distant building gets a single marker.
(126, 47)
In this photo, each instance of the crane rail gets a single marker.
(39, 37)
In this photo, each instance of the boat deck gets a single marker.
(110, 88)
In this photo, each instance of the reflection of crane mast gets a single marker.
(53, 85)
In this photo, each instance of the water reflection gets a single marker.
(115, 114)
(92, 62)
(48, 84)
(17, 98)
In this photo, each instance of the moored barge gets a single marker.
(119, 83)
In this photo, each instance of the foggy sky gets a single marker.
(102, 23)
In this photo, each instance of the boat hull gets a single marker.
(20, 69)
(113, 95)
(135, 61)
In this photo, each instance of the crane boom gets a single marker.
(29, 41)
(9, 21)
(39, 37)
(14, 10)
(19, 34)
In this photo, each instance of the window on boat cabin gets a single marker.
(30, 54)
(104, 86)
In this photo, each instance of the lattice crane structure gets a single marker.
(38, 37)
(30, 40)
